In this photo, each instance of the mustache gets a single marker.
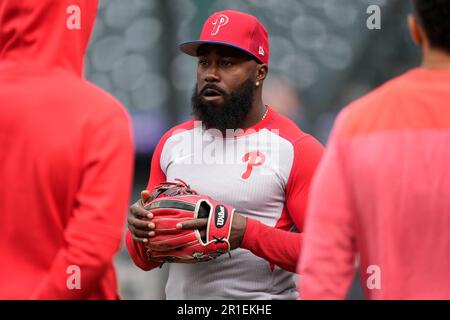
(210, 86)
(236, 106)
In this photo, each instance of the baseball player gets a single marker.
(66, 157)
(266, 181)
(382, 190)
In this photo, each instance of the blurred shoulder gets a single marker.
(100, 103)
(376, 110)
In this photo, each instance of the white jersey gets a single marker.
(257, 173)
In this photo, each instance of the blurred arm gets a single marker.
(326, 266)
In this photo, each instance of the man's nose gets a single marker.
(212, 74)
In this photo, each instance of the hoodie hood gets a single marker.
(46, 33)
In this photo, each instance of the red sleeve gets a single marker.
(327, 263)
(136, 250)
(279, 245)
(93, 234)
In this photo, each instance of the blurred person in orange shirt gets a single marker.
(382, 190)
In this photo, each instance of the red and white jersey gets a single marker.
(264, 172)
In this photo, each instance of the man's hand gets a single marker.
(139, 220)
(179, 225)
(236, 234)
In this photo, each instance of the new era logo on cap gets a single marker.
(236, 29)
(261, 51)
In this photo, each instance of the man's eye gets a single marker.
(226, 63)
(203, 63)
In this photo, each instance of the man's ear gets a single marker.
(261, 72)
(416, 31)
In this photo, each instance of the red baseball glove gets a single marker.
(175, 202)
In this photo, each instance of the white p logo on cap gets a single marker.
(219, 22)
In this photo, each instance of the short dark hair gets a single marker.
(434, 17)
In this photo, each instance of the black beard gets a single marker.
(231, 114)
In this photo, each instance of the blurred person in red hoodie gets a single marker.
(382, 190)
(66, 157)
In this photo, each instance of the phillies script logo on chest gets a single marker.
(253, 159)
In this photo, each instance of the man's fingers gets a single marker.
(141, 240)
(139, 233)
(193, 224)
(141, 224)
(139, 212)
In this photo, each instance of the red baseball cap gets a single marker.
(235, 29)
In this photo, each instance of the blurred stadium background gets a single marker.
(322, 57)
